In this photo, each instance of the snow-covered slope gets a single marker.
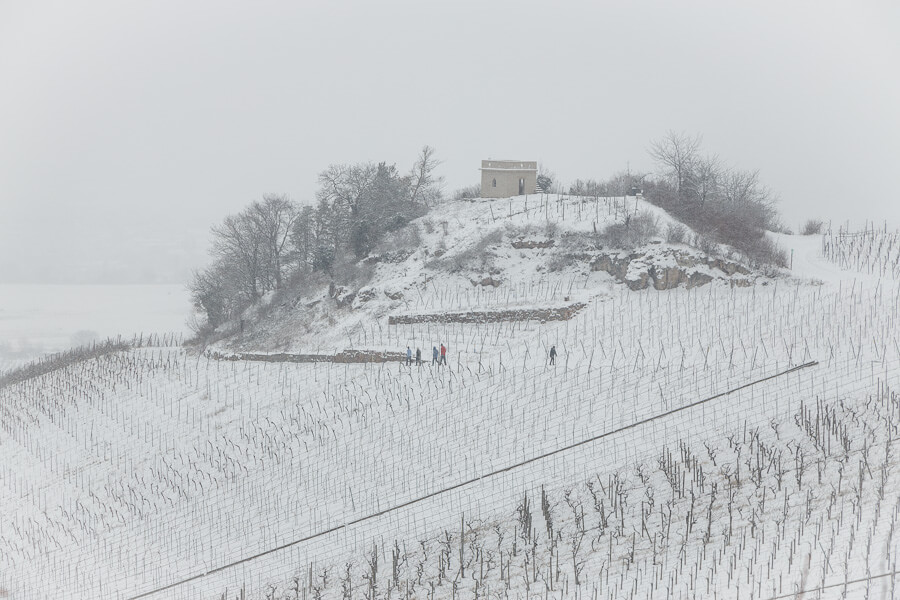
(539, 251)
(712, 441)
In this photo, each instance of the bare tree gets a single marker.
(326, 234)
(744, 189)
(677, 153)
(587, 187)
(424, 186)
(248, 251)
(302, 237)
(703, 179)
(274, 218)
(347, 184)
(238, 244)
(215, 290)
(726, 205)
(619, 184)
(358, 204)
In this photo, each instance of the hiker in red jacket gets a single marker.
(443, 355)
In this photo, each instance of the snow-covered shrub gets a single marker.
(635, 231)
(676, 233)
(812, 227)
(468, 192)
(587, 187)
(705, 245)
(766, 252)
(405, 238)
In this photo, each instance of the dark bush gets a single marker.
(676, 233)
(812, 227)
(468, 192)
(637, 229)
(728, 206)
(766, 252)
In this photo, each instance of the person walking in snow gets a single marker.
(434, 355)
(552, 355)
(443, 355)
(408, 356)
(418, 357)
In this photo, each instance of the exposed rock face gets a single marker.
(365, 295)
(729, 268)
(640, 283)
(341, 295)
(697, 278)
(488, 281)
(345, 299)
(667, 277)
(639, 271)
(617, 267)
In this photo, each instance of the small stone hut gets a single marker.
(506, 178)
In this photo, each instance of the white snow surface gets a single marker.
(157, 469)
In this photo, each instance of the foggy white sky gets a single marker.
(126, 130)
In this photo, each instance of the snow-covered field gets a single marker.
(158, 472)
(40, 319)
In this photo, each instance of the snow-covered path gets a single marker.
(809, 263)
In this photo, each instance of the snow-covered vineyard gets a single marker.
(868, 251)
(161, 473)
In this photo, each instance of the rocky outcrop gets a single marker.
(487, 281)
(365, 295)
(614, 265)
(342, 296)
(667, 270)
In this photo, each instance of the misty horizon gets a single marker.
(131, 131)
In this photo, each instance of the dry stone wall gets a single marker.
(345, 356)
(525, 314)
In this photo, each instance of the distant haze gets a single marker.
(127, 129)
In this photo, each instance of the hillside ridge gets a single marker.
(528, 253)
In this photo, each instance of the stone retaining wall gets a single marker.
(345, 356)
(532, 244)
(533, 314)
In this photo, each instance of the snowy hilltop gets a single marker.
(472, 259)
(708, 426)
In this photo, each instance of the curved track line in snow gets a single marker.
(468, 482)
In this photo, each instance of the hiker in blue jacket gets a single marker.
(408, 356)
(434, 355)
